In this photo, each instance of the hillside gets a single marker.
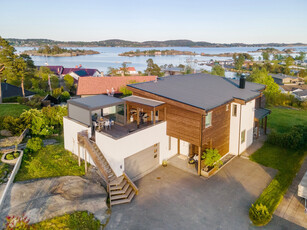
(123, 43)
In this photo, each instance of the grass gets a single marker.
(76, 221)
(12, 109)
(286, 161)
(281, 119)
(50, 161)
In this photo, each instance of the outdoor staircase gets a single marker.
(121, 189)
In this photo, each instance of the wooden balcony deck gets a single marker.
(118, 131)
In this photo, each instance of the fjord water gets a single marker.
(108, 57)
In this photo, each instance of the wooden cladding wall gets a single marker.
(260, 102)
(181, 123)
(219, 131)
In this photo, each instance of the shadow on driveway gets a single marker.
(170, 198)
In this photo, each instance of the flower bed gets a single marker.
(11, 157)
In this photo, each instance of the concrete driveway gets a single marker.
(170, 198)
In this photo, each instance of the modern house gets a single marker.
(172, 116)
(9, 91)
(301, 95)
(282, 79)
(76, 73)
(172, 71)
(89, 86)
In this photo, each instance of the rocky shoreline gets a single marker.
(65, 54)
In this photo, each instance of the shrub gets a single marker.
(259, 214)
(9, 99)
(295, 138)
(16, 222)
(212, 158)
(65, 96)
(34, 144)
(22, 100)
(35, 102)
(57, 92)
(13, 124)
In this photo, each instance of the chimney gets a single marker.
(242, 81)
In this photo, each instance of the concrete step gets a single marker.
(124, 201)
(122, 196)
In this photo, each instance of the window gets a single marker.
(208, 120)
(243, 136)
(234, 110)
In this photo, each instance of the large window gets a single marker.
(234, 110)
(208, 120)
(243, 134)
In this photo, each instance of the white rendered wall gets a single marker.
(71, 129)
(116, 150)
(184, 148)
(247, 124)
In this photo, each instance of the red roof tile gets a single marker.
(100, 85)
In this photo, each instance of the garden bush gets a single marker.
(35, 102)
(9, 99)
(13, 124)
(34, 144)
(64, 96)
(212, 158)
(259, 214)
(295, 138)
(22, 100)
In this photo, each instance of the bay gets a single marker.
(108, 57)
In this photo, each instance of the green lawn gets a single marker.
(75, 221)
(281, 119)
(286, 161)
(12, 109)
(50, 161)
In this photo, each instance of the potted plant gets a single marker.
(211, 160)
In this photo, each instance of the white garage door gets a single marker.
(143, 162)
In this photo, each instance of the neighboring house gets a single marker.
(292, 88)
(55, 69)
(9, 91)
(89, 86)
(183, 114)
(76, 73)
(301, 95)
(282, 79)
(172, 71)
(129, 71)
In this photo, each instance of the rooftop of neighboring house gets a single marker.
(9, 90)
(57, 69)
(78, 71)
(203, 91)
(131, 69)
(282, 76)
(290, 88)
(173, 69)
(302, 93)
(100, 85)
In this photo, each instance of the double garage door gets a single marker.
(143, 162)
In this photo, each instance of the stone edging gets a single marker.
(12, 177)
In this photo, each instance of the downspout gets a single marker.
(239, 141)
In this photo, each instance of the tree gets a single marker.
(218, 70)
(301, 57)
(289, 61)
(124, 69)
(112, 71)
(265, 55)
(7, 57)
(153, 69)
(238, 60)
(69, 81)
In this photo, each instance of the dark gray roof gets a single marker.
(301, 93)
(203, 91)
(261, 113)
(144, 101)
(282, 76)
(9, 90)
(96, 102)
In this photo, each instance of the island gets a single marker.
(217, 55)
(56, 51)
(156, 53)
(274, 51)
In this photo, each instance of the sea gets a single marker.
(109, 57)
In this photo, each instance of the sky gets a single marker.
(221, 21)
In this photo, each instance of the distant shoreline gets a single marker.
(65, 54)
(146, 44)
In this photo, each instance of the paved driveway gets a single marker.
(170, 198)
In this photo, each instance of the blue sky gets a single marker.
(221, 21)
